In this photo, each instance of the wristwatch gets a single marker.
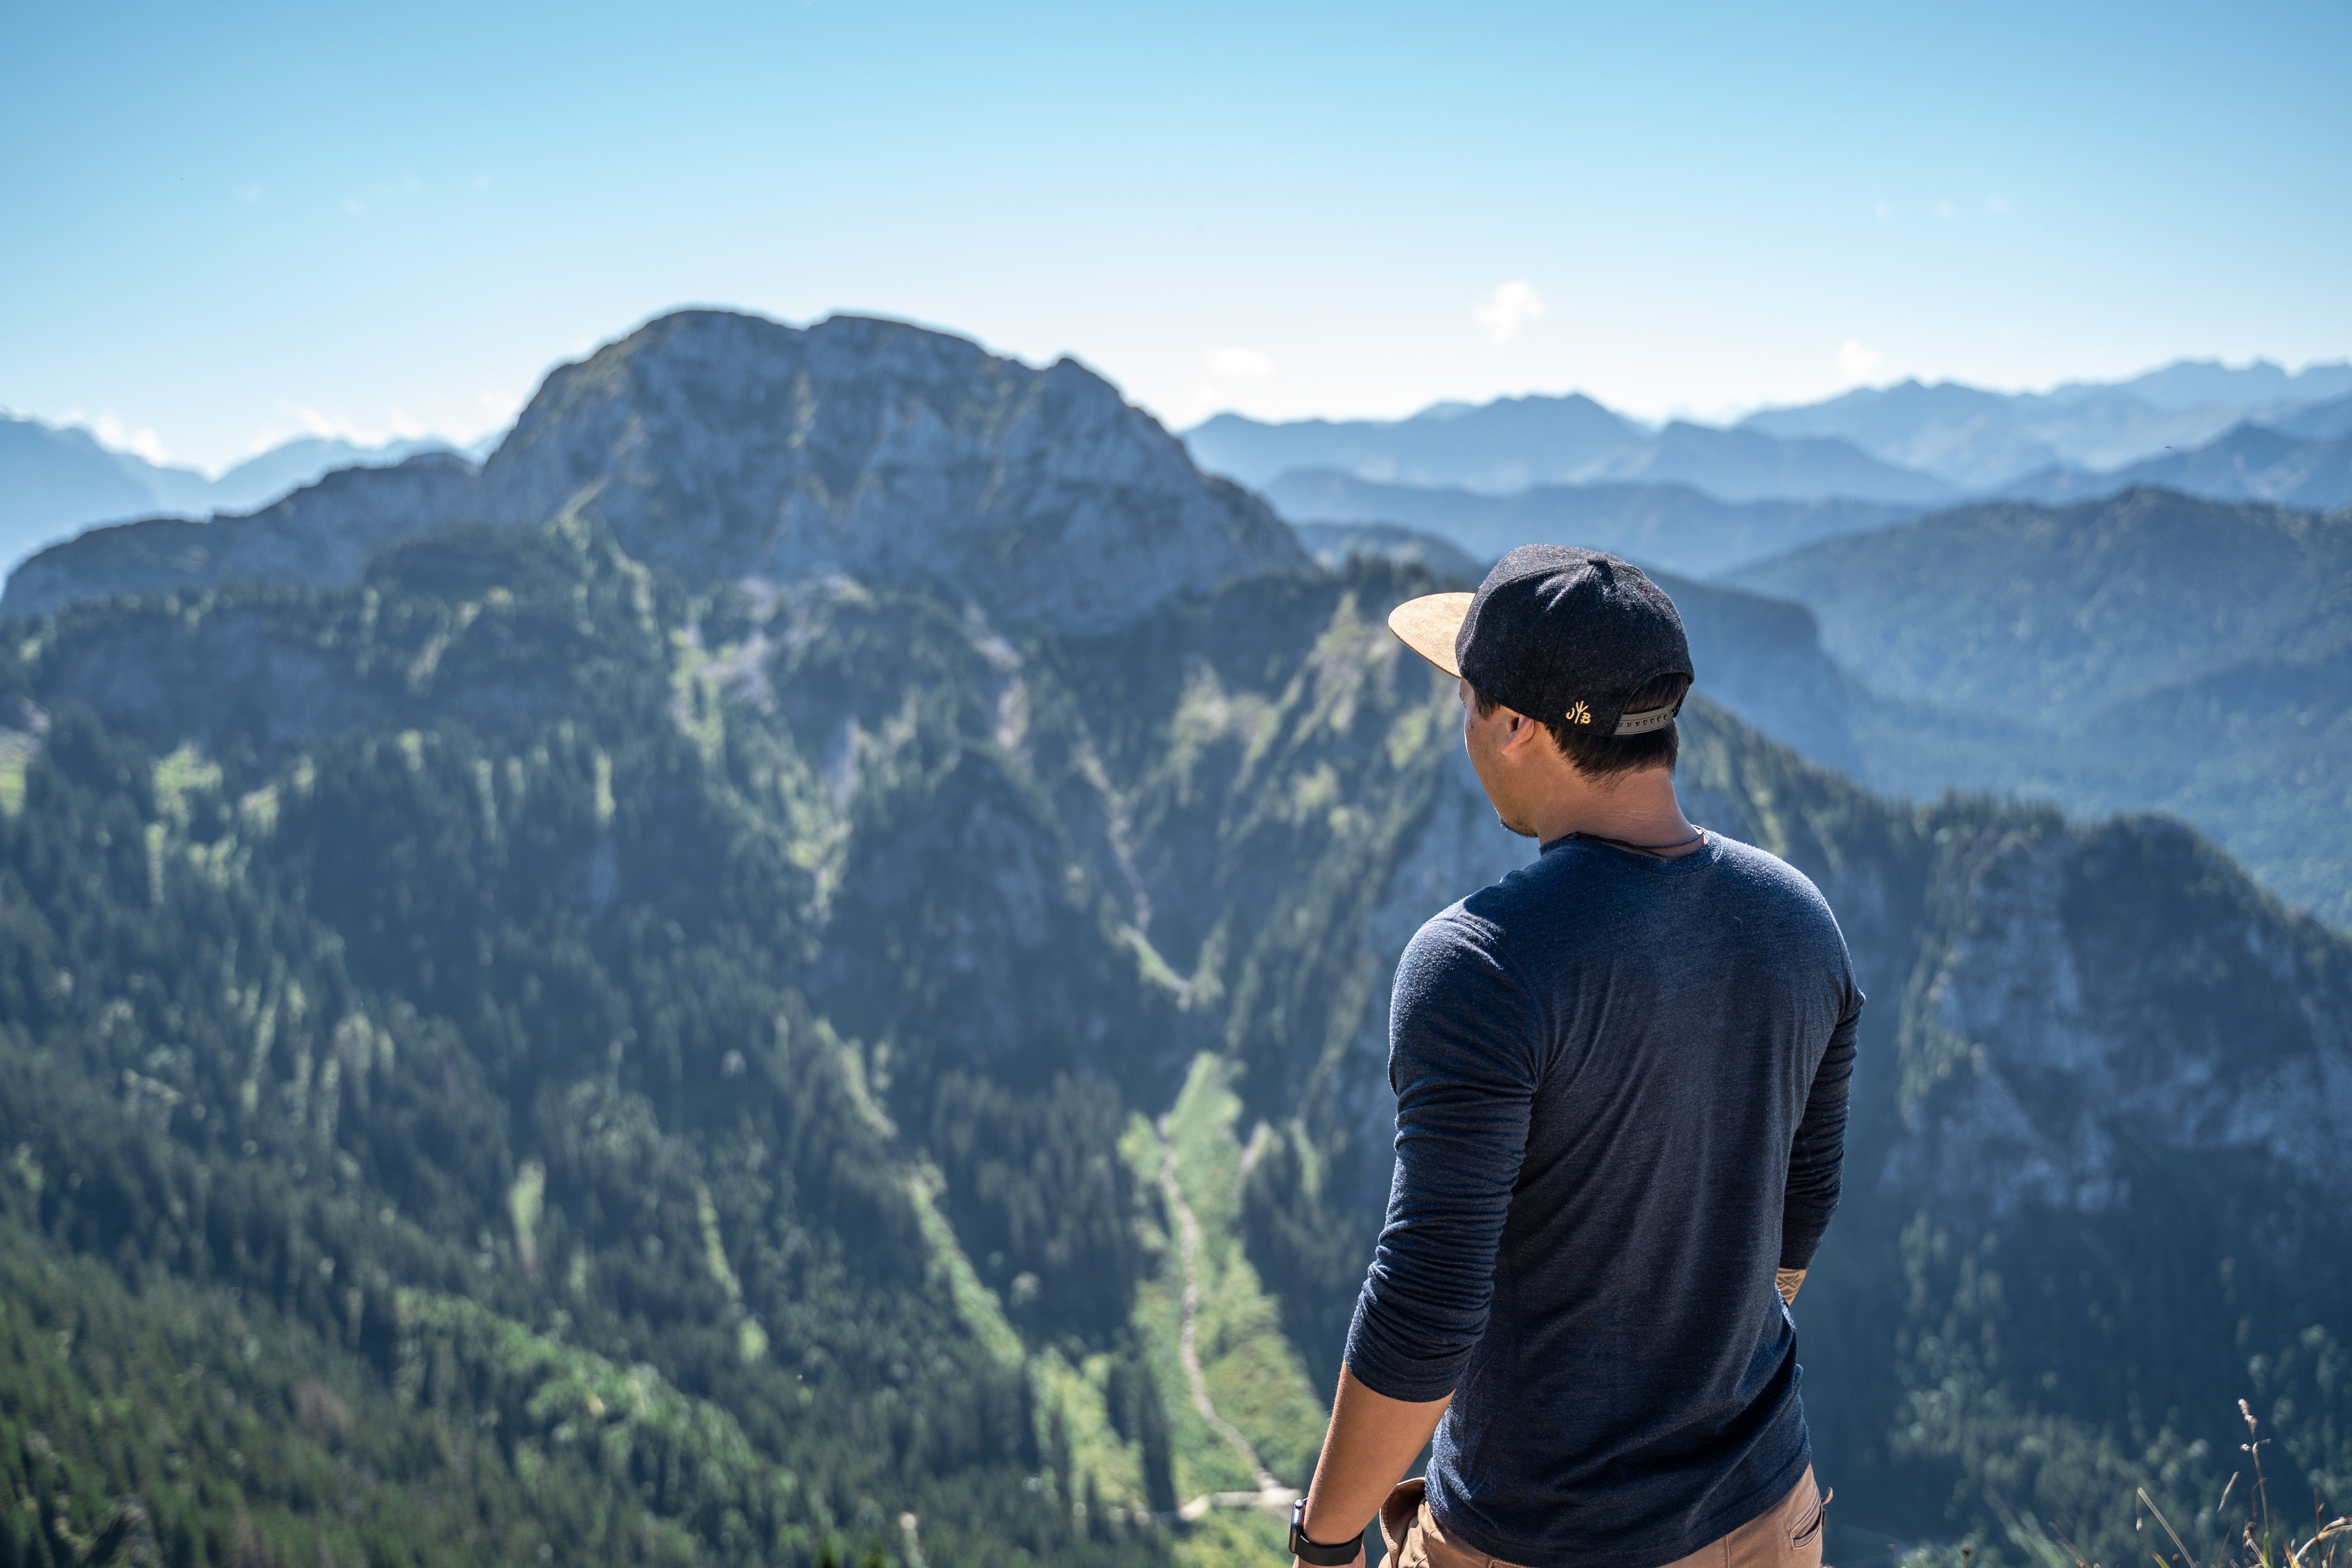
(1315, 1552)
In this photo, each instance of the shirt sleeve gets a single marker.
(1817, 1158)
(1465, 1043)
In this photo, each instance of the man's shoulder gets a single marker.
(1467, 941)
(1459, 967)
(1455, 929)
(1764, 878)
(1481, 922)
(1766, 872)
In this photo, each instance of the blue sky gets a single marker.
(219, 227)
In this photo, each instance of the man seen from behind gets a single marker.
(1620, 1077)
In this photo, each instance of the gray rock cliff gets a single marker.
(726, 445)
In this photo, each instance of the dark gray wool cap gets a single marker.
(1568, 636)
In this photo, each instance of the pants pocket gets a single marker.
(1810, 1521)
(1396, 1516)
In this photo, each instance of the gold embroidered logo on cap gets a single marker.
(1579, 715)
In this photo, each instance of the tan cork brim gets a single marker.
(1428, 626)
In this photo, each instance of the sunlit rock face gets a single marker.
(725, 445)
(2096, 1006)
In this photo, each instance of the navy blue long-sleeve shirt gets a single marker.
(1621, 1090)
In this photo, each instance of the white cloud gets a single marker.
(481, 181)
(1510, 308)
(145, 443)
(1885, 210)
(334, 427)
(1996, 203)
(248, 192)
(1232, 363)
(1857, 359)
(353, 205)
(299, 420)
(1947, 210)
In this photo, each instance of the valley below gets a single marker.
(794, 969)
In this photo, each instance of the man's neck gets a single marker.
(1631, 808)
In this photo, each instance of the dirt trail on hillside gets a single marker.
(1188, 1237)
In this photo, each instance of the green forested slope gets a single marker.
(527, 1058)
(2043, 614)
(2147, 652)
(341, 1035)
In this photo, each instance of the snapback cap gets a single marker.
(1558, 633)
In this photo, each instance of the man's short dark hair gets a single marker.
(1598, 756)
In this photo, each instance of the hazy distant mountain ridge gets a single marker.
(1511, 444)
(2317, 421)
(1738, 464)
(1984, 441)
(2204, 383)
(55, 480)
(1496, 448)
(1673, 526)
(319, 536)
(1967, 435)
(2248, 462)
(1909, 443)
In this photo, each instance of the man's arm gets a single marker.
(1464, 1039)
(1816, 1158)
(1366, 1449)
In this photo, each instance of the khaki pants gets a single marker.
(1785, 1535)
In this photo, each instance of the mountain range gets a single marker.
(55, 480)
(1980, 440)
(859, 446)
(1506, 445)
(2148, 651)
(1907, 442)
(795, 970)
(1672, 526)
(1702, 501)
(2248, 462)
(1907, 445)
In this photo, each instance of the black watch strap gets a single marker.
(1315, 1552)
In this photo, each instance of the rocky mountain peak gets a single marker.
(726, 445)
